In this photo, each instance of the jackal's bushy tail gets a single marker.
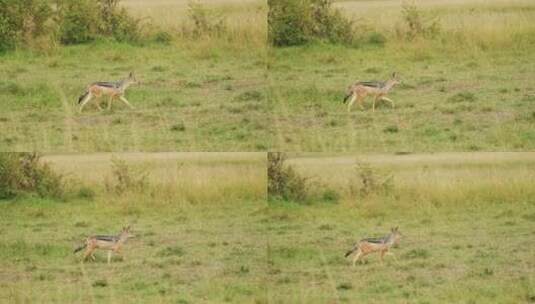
(82, 97)
(80, 248)
(351, 251)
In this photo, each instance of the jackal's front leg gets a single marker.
(126, 102)
(87, 98)
(110, 100)
(389, 100)
(109, 256)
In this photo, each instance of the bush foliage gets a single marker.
(24, 173)
(25, 23)
(284, 183)
(296, 22)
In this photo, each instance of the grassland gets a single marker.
(195, 94)
(467, 88)
(467, 221)
(197, 238)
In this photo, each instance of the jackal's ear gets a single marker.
(395, 75)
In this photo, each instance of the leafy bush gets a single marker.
(24, 173)
(79, 21)
(22, 22)
(84, 20)
(283, 181)
(296, 22)
(40, 23)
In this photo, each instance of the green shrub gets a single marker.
(24, 173)
(330, 196)
(296, 22)
(118, 23)
(283, 181)
(79, 21)
(84, 20)
(23, 22)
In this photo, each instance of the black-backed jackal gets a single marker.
(371, 245)
(112, 89)
(379, 89)
(112, 243)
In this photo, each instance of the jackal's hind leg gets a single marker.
(88, 253)
(353, 98)
(389, 100)
(357, 257)
(109, 102)
(87, 98)
(126, 102)
(109, 256)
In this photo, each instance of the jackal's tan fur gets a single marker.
(112, 243)
(359, 90)
(115, 90)
(371, 245)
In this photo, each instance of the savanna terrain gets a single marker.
(194, 216)
(201, 86)
(467, 80)
(467, 221)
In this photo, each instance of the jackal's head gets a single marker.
(395, 79)
(127, 232)
(131, 78)
(396, 235)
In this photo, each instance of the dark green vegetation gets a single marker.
(466, 219)
(190, 98)
(464, 88)
(185, 251)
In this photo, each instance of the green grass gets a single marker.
(466, 222)
(467, 89)
(190, 98)
(186, 249)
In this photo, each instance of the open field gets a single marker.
(205, 94)
(468, 88)
(186, 250)
(467, 221)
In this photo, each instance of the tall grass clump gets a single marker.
(126, 178)
(284, 183)
(296, 22)
(415, 24)
(370, 181)
(203, 22)
(25, 173)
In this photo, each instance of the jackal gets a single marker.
(112, 89)
(379, 89)
(370, 245)
(112, 243)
